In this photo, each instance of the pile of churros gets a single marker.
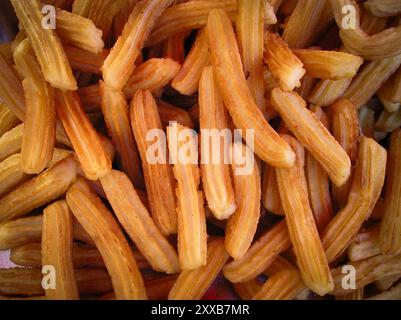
(149, 148)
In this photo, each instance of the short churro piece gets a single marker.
(384, 44)
(187, 79)
(28, 281)
(326, 92)
(313, 135)
(87, 145)
(329, 64)
(29, 255)
(151, 75)
(79, 32)
(120, 63)
(282, 62)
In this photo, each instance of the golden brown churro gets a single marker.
(40, 119)
(7, 119)
(29, 255)
(79, 32)
(241, 226)
(108, 238)
(119, 64)
(12, 174)
(116, 115)
(329, 64)
(11, 92)
(159, 178)
(236, 94)
(192, 284)
(35, 192)
(86, 142)
(151, 75)
(187, 16)
(367, 183)
(301, 26)
(318, 183)
(346, 130)
(390, 231)
(270, 195)
(160, 123)
(135, 219)
(283, 63)
(301, 225)
(367, 271)
(260, 255)
(187, 79)
(216, 180)
(284, 285)
(191, 221)
(28, 281)
(365, 245)
(57, 238)
(24, 231)
(250, 28)
(47, 46)
(362, 88)
(313, 134)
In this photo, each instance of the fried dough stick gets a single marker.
(108, 238)
(269, 146)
